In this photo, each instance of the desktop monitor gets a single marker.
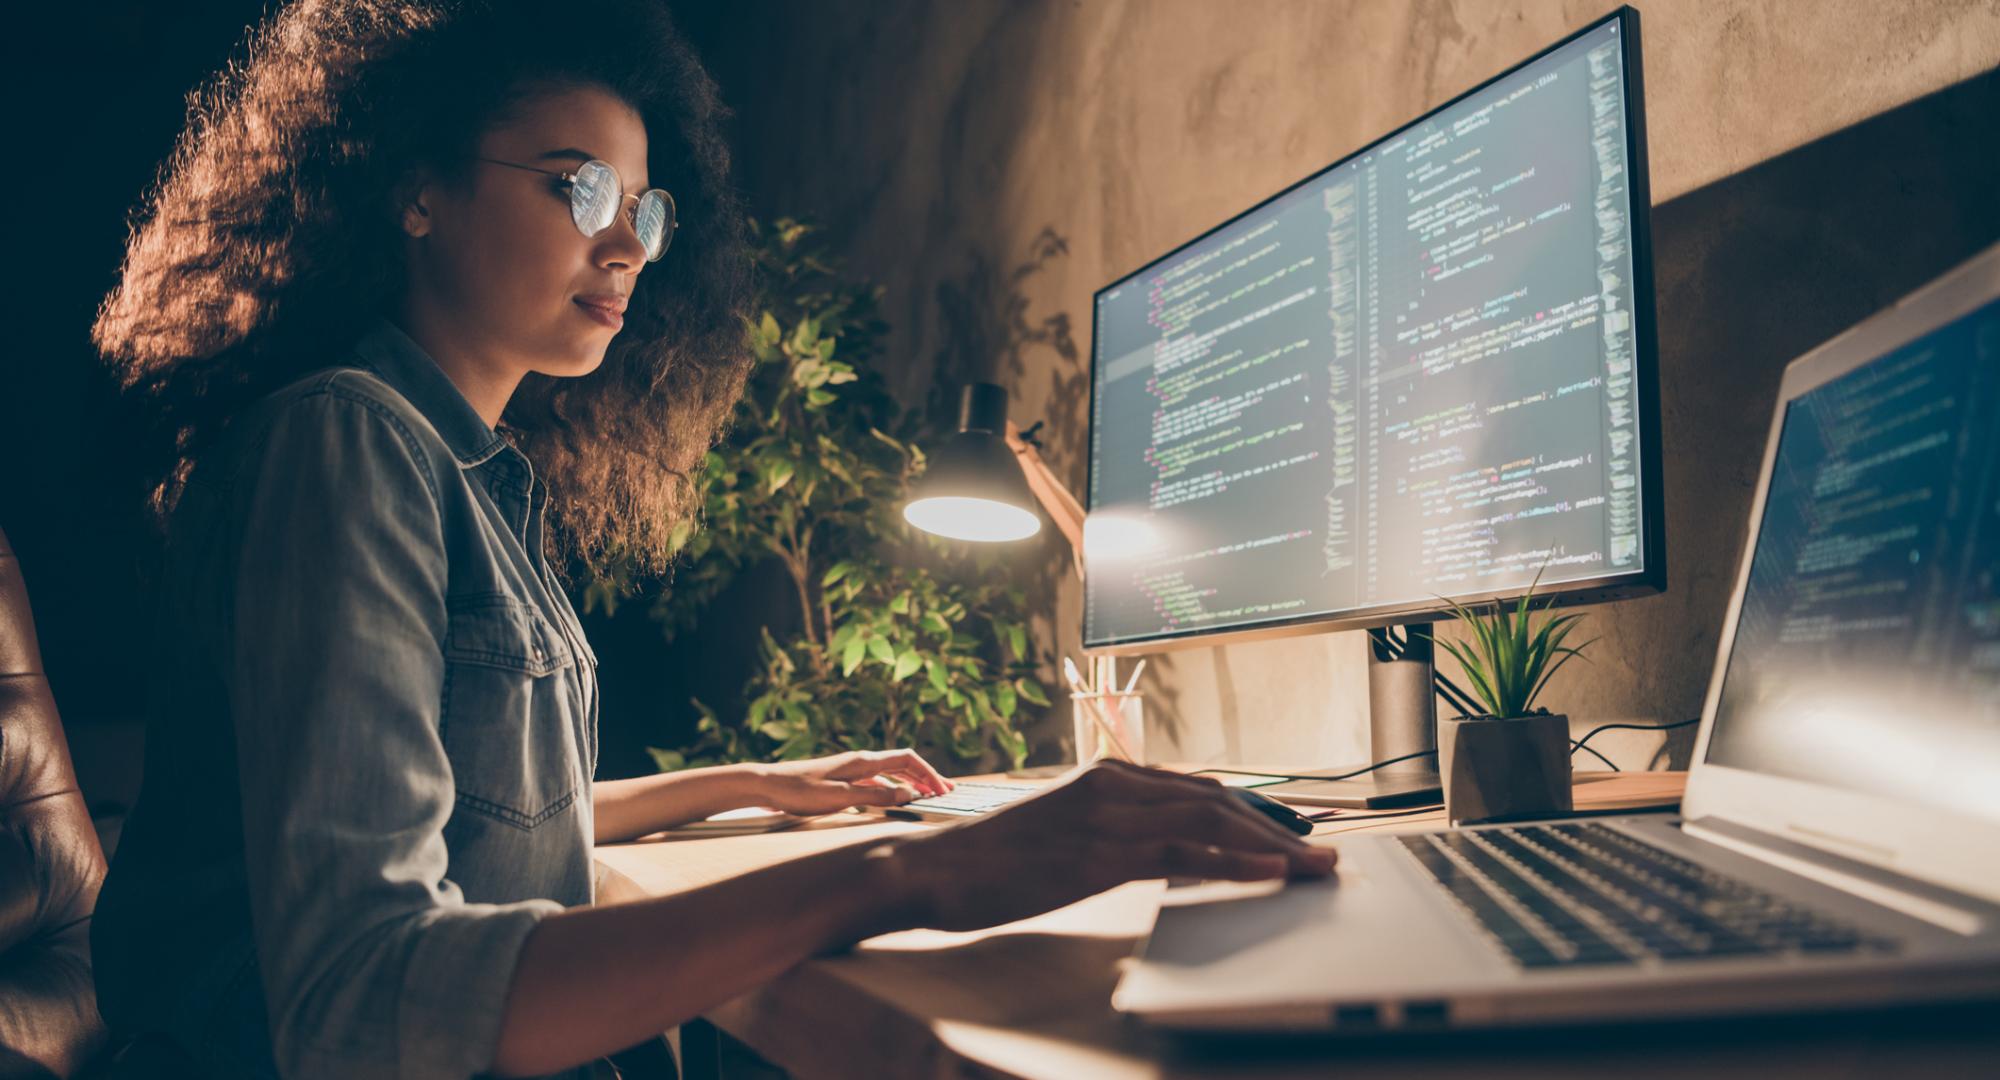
(1424, 371)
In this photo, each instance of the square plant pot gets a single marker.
(1504, 770)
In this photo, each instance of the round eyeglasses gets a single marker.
(595, 196)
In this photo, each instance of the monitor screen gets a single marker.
(1423, 372)
(1867, 648)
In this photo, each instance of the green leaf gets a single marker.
(906, 665)
(678, 537)
(850, 658)
(1032, 691)
(880, 649)
(1474, 674)
(838, 571)
(601, 596)
(776, 729)
(803, 336)
(667, 760)
(778, 473)
(900, 603)
(1003, 700)
(933, 622)
(1017, 746)
(934, 671)
(818, 398)
(1017, 637)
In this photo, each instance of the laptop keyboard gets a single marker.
(971, 797)
(1563, 895)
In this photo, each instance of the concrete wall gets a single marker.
(994, 163)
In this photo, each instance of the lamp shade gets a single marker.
(973, 488)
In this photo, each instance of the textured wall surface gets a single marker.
(995, 163)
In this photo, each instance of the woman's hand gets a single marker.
(856, 778)
(1110, 824)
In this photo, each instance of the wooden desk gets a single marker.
(1032, 998)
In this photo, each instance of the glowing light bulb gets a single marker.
(963, 518)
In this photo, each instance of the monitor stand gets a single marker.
(1402, 719)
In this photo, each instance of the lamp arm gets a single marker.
(1061, 506)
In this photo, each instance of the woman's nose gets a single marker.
(620, 246)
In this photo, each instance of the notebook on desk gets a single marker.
(1839, 842)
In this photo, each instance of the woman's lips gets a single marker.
(608, 310)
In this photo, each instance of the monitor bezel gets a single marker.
(1651, 579)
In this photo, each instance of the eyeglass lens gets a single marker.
(596, 195)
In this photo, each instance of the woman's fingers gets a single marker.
(1188, 859)
(864, 794)
(1138, 784)
(1210, 821)
(1163, 817)
(907, 764)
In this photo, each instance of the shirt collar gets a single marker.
(402, 363)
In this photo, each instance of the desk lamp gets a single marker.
(984, 483)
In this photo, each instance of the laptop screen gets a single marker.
(1867, 651)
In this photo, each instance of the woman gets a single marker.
(409, 287)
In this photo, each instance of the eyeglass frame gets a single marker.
(570, 178)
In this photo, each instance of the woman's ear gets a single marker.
(412, 202)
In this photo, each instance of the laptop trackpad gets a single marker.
(1375, 925)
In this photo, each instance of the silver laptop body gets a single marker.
(1848, 762)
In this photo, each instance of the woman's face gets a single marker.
(500, 266)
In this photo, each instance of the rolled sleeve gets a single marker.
(372, 962)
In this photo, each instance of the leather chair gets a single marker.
(50, 864)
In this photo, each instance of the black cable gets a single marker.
(1342, 776)
(1349, 815)
(1577, 744)
(1635, 727)
(1581, 744)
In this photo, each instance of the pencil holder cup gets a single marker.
(1109, 725)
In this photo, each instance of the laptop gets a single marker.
(1839, 840)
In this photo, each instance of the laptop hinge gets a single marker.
(1919, 900)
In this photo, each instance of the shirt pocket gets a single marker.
(507, 721)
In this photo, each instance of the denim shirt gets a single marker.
(372, 734)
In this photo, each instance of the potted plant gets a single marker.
(901, 639)
(1513, 762)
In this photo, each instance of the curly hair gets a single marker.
(269, 239)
